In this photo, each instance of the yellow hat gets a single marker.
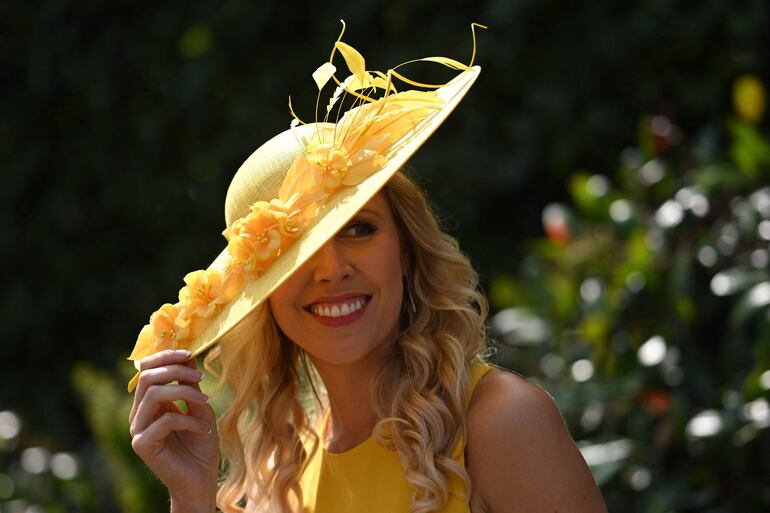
(300, 188)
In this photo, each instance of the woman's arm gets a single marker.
(521, 457)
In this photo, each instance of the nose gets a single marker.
(329, 264)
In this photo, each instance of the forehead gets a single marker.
(379, 206)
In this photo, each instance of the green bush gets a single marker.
(645, 311)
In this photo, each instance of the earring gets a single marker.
(409, 292)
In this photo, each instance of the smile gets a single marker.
(340, 312)
(338, 309)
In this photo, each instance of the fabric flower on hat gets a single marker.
(205, 292)
(168, 329)
(331, 164)
(294, 214)
(255, 240)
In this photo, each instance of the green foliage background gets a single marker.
(122, 123)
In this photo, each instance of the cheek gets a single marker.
(390, 276)
(282, 304)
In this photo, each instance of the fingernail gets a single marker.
(198, 375)
(183, 352)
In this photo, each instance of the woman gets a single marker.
(382, 312)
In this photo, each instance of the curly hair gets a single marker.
(269, 431)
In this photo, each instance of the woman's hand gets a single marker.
(182, 449)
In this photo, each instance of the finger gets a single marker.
(166, 357)
(202, 411)
(148, 442)
(158, 396)
(192, 364)
(161, 376)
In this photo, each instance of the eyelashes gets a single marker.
(357, 229)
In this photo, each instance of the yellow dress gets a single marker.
(370, 479)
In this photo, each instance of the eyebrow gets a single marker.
(369, 211)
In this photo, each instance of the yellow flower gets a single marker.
(170, 325)
(204, 292)
(290, 217)
(168, 329)
(255, 240)
(749, 98)
(330, 164)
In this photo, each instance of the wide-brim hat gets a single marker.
(297, 190)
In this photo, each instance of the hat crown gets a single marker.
(260, 177)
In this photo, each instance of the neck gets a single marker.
(352, 416)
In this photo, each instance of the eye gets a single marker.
(358, 229)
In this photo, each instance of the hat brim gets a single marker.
(336, 214)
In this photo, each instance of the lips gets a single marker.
(338, 310)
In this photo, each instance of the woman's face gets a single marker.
(343, 304)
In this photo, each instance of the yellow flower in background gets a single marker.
(749, 98)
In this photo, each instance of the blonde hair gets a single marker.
(418, 392)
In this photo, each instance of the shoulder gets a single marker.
(519, 448)
(505, 403)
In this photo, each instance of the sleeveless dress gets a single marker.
(370, 479)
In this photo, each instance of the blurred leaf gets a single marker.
(196, 41)
(749, 149)
(107, 407)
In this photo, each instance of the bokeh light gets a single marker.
(591, 290)
(652, 352)
(764, 380)
(759, 295)
(635, 281)
(763, 229)
(705, 424)
(64, 465)
(758, 412)
(607, 452)
(35, 460)
(759, 258)
(760, 200)
(592, 416)
(598, 186)
(640, 478)
(707, 256)
(669, 215)
(652, 172)
(10, 425)
(582, 370)
(552, 365)
(620, 210)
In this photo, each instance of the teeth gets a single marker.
(339, 309)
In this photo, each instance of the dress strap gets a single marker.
(477, 371)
